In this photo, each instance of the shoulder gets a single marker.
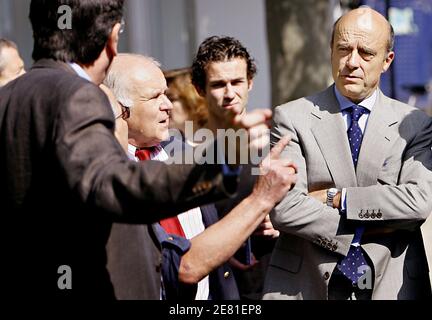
(299, 108)
(409, 117)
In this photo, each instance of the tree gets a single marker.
(299, 34)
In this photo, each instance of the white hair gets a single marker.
(119, 79)
(5, 43)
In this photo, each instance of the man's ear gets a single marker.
(388, 60)
(113, 40)
(251, 83)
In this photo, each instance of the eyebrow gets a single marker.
(217, 81)
(152, 93)
(367, 50)
(343, 45)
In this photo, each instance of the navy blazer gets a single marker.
(221, 282)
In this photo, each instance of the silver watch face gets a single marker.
(332, 191)
(330, 196)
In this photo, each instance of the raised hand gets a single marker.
(277, 175)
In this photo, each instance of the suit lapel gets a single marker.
(329, 131)
(377, 140)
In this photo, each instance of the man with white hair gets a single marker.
(190, 252)
(11, 64)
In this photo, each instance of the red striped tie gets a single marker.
(171, 225)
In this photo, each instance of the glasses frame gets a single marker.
(125, 112)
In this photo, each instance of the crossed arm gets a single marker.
(404, 204)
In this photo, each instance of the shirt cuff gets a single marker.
(229, 172)
(343, 200)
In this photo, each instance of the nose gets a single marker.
(353, 61)
(229, 91)
(166, 104)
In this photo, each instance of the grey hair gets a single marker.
(5, 43)
(119, 80)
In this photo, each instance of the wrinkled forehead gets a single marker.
(149, 86)
(365, 28)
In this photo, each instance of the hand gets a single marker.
(257, 124)
(265, 229)
(234, 263)
(277, 175)
(320, 195)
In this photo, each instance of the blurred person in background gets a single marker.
(11, 63)
(188, 105)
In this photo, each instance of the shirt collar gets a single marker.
(345, 103)
(131, 151)
(80, 71)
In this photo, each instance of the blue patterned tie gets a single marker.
(351, 265)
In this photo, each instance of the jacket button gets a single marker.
(226, 275)
(326, 276)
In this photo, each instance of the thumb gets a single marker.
(279, 147)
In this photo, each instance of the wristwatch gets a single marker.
(331, 193)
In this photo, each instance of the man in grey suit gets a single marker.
(350, 229)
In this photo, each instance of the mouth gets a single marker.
(230, 106)
(165, 122)
(351, 77)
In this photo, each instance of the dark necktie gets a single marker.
(170, 225)
(353, 266)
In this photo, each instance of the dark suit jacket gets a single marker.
(64, 179)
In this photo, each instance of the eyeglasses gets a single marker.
(125, 112)
(122, 26)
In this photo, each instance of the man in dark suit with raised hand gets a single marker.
(63, 177)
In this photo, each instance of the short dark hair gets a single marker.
(216, 49)
(390, 41)
(92, 23)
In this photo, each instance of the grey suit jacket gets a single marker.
(390, 194)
